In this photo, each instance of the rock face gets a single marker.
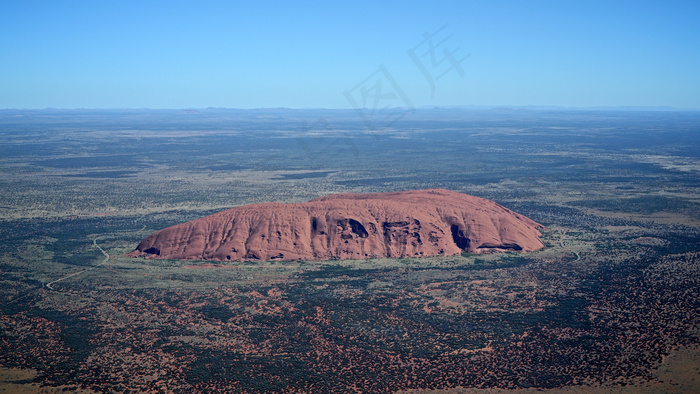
(349, 226)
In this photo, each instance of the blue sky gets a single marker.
(178, 54)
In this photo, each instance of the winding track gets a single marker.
(561, 243)
(94, 242)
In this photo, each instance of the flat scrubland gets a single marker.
(610, 305)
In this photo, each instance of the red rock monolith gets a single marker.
(349, 226)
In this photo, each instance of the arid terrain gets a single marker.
(609, 305)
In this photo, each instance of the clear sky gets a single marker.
(187, 54)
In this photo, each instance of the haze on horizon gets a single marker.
(160, 54)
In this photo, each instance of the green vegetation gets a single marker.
(614, 292)
(643, 205)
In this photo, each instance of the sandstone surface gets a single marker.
(349, 226)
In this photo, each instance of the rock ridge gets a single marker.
(413, 223)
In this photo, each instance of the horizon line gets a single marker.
(631, 108)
